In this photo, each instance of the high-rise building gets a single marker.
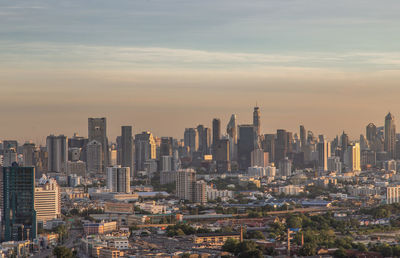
(127, 148)
(246, 144)
(145, 149)
(371, 133)
(269, 146)
(166, 146)
(216, 128)
(166, 163)
(200, 192)
(57, 150)
(334, 164)
(9, 156)
(185, 180)
(231, 130)
(257, 120)
(47, 200)
(259, 158)
(28, 152)
(390, 136)
(344, 139)
(19, 203)
(303, 136)
(281, 146)
(191, 139)
(285, 167)
(94, 157)
(222, 156)
(324, 152)
(352, 159)
(97, 130)
(119, 179)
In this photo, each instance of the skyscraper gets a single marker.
(191, 139)
(204, 139)
(371, 132)
(166, 146)
(390, 136)
(256, 120)
(324, 152)
(127, 149)
(57, 153)
(269, 146)
(246, 144)
(19, 202)
(28, 152)
(231, 130)
(119, 179)
(97, 130)
(216, 127)
(281, 146)
(303, 136)
(344, 139)
(352, 159)
(145, 150)
(222, 156)
(94, 157)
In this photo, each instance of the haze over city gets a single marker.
(166, 65)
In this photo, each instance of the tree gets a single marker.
(245, 246)
(230, 245)
(62, 252)
(294, 222)
(255, 235)
(308, 249)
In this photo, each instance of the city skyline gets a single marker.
(115, 130)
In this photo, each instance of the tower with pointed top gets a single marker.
(390, 136)
(256, 120)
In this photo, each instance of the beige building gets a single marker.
(47, 201)
(393, 194)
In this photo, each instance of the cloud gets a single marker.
(124, 57)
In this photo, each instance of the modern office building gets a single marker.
(216, 132)
(246, 144)
(352, 157)
(257, 120)
(259, 158)
(231, 130)
(166, 146)
(281, 145)
(57, 150)
(19, 203)
(119, 179)
(97, 130)
(47, 201)
(324, 152)
(145, 149)
(94, 157)
(127, 148)
(222, 156)
(28, 152)
(191, 140)
(390, 136)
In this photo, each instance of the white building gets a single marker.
(290, 190)
(393, 194)
(47, 200)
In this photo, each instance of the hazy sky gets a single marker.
(163, 65)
